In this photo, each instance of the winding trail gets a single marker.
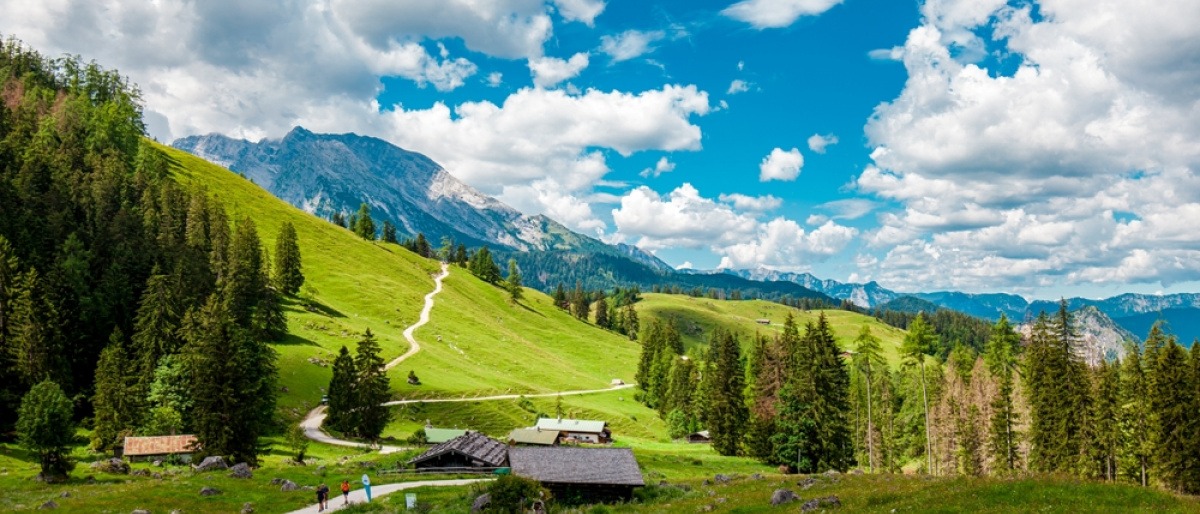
(358, 495)
(414, 346)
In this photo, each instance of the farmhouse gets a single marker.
(581, 430)
(159, 447)
(577, 475)
(470, 450)
(533, 436)
(700, 437)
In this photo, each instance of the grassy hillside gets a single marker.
(697, 317)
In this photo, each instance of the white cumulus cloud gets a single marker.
(765, 14)
(583, 11)
(630, 44)
(662, 166)
(738, 86)
(781, 165)
(549, 71)
(818, 142)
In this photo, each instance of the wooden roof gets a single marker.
(575, 465)
(472, 444)
(159, 445)
(533, 436)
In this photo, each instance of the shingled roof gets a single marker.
(573, 465)
(472, 444)
(159, 445)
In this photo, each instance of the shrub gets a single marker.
(510, 494)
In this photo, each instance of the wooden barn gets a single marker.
(579, 430)
(158, 447)
(700, 437)
(470, 450)
(577, 475)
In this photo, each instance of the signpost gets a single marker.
(366, 482)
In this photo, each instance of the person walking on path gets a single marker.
(322, 497)
(345, 492)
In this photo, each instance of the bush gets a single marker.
(46, 428)
(511, 493)
(418, 437)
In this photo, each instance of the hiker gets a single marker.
(345, 492)
(322, 497)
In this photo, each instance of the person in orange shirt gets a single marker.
(345, 492)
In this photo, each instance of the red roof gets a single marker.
(159, 445)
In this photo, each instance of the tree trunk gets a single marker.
(870, 425)
(925, 398)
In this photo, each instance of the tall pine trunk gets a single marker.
(870, 425)
(928, 437)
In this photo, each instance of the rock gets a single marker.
(817, 503)
(832, 473)
(247, 508)
(722, 500)
(49, 505)
(856, 471)
(176, 511)
(807, 482)
(722, 479)
(157, 463)
(321, 469)
(707, 482)
(141, 472)
(276, 481)
(481, 502)
(308, 488)
(241, 470)
(708, 508)
(209, 491)
(64, 494)
(831, 501)
(156, 475)
(140, 511)
(113, 466)
(211, 463)
(782, 496)
(810, 506)
(756, 476)
(288, 485)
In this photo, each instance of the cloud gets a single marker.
(494, 79)
(583, 11)
(781, 165)
(685, 219)
(738, 86)
(549, 71)
(630, 44)
(818, 142)
(849, 209)
(662, 166)
(743, 202)
(765, 14)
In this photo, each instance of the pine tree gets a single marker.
(652, 346)
(602, 319)
(813, 426)
(343, 398)
(1175, 435)
(724, 385)
(515, 291)
(115, 401)
(918, 343)
(630, 322)
(460, 255)
(156, 325)
(581, 303)
(1001, 360)
(46, 427)
(34, 341)
(484, 267)
(289, 275)
(560, 297)
(372, 388)
(868, 364)
(363, 225)
(243, 281)
(422, 246)
(389, 232)
(338, 218)
(1105, 437)
(1134, 417)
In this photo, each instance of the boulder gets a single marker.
(807, 482)
(481, 502)
(817, 503)
(156, 475)
(49, 505)
(212, 463)
(209, 491)
(241, 470)
(832, 473)
(113, 466)
(756, 476)
(722, 479)
(141, 472)
(288, 485)
(64, 494)
(782, 496)
(158, 463)
(276, 481)
(810, 505)
(856, 471)
(247, 508)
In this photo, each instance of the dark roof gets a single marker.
(572, 465)
(159, 445)
(472, 444)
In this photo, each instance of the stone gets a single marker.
(831, 501)
(211, 463)
(832, 473)
(321, 469)
(176, 511)
(64, 494)
(158, 463)
(49, 505)
(247, 508)
(112, 466)
(141, 472)
(288, 485)
(209, 491)
(856, 471)
(782, 496)
(276, 481)
(810, 505)
(722, 479)
(756, 476)
(817, 503)
(156, 475)
(241, 470)
(708, 508)
(481, 502)
(807, 482)
(140, 511)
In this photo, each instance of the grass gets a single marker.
(697, 317)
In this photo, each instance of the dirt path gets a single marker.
(414, 346)
(508, 396)
(357, 495)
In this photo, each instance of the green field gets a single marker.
(697, 317)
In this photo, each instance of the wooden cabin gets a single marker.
(577, 475)
(470, 450)
(579, 430)
(158, 448)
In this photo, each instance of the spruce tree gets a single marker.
(46, 427)
(363, 225)
(513, 283)
(483, 266)
(460, 255)
(1001, 359)
(1100, 458)
(34, 341)
(1175, 420)
(813, 426)
(581, 302)
(726, 413)
(156, 326)
(918, 344)
(630, 322)
(868, 365)
(289, 275)
(560, 297)
(602, 319)
(116, 400)
(1134, 418)
(343, 399)
(243, 282)
(372, 388)
(389, 232)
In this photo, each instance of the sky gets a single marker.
(1045, 148)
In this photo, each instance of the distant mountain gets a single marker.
(909, 304)
(987, 306)
(866, 295)
(1102, 338)
(1183, 323)
(1126, 305)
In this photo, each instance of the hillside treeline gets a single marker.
(143, 301)
(1020, 406)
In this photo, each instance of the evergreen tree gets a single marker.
(46, 427)
(560, 297)
(1001, 360)
(343, 398)
(724, 384)
(1057, 393)
(372, 389)
(484, 267)
(515, 291)
(339, 219)
(157, 323)
(813, 428)
(288, 273)
(460, 255)
(1100, 458)
(422, 247)
(363, 225)
(868, 365)
(580, 302)
(1176, 420)
(918, 343)
(243, 282)
(446, 252)
(170, 389)
(389, 232)
(116, 401)
(1134, 417)
(34, 341)
(602, 319)
(630, 322)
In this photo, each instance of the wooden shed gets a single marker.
(700, 437)
(581, 430)
(159, 447)
(577, 475)
(470, 450)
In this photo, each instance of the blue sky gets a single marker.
(1047, 148)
